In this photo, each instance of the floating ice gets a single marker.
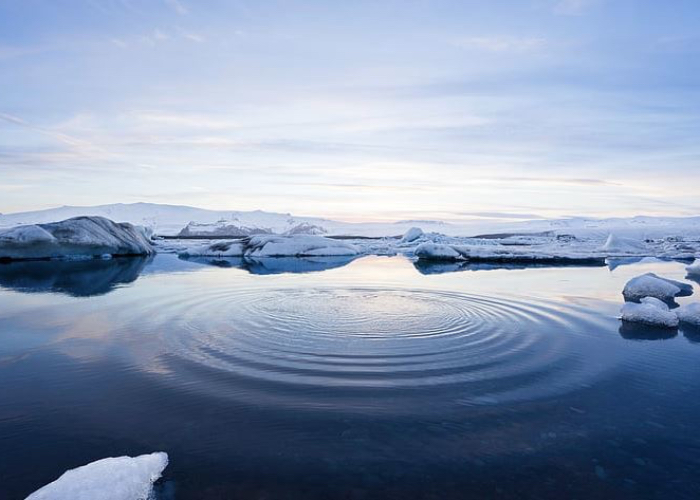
(274, 246)
(618, 245)
(650, 311)
(120, 478)
(298, 245)
(436, 251)
(651, 285)
(689, 314)
(694, 268)
(412, 235)
(85, 237)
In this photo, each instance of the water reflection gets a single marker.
(275, 265)
(691, 333)
(369, 381)
(441, 267)
(83, 278)
(637, 331)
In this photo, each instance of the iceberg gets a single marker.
(80, 237)
(120, 478)
(690, 314)
(274, 246)
(651, 312)
(617, 245)
(437, 251)
(412, 235)
(651, 285)
(223, 248)
(694, 268)
(298, 245)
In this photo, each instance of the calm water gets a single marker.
(325, 379)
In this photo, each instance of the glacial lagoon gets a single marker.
(371, 377)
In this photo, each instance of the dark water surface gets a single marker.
(338, 379)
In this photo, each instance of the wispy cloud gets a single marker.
(573, 7)
(501, 43)
(177, 6)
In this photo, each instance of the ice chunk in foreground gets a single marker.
(650, 311)
(412, 235)
(436, 251)
(651, 285)
(121, 478)
(690, 314)
(623, 246)
(694, 268)
(78, 237)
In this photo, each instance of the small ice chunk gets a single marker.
(689, 314)
(651, 285)
(120, 478)
(650, 311)
(436, 251)
(694, 268)
(412, 235)
(623, 246)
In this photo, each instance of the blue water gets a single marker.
(339, 378)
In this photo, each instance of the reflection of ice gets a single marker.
(440, 267)
(275, 265)
(691, 333)
(639, 331)
(81, 278)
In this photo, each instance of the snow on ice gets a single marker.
(274, 246)
(689, 314)
(651, 285)
(649, 311)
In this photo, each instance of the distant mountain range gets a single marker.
(191, 221)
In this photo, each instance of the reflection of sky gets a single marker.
(59, 318)
(357, 110)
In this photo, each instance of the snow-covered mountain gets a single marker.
(179, 219)
(176, 219)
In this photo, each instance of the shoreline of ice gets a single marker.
(90, 237)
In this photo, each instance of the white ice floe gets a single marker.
(618, 245)
(651, 285)
(302, 246)
(223, 248)
(689, 314)
(79, 237)
(274, 246)
(437, 251)
(120, 478)
(694, 268)
(651, 312)
(412, 235)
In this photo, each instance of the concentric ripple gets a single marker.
(329, 347)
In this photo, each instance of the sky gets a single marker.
(359, 111)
